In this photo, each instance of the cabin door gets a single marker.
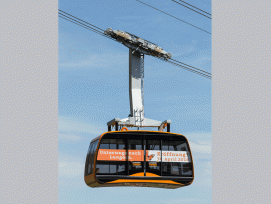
(153, 158)
(144, 157)
(136, 157)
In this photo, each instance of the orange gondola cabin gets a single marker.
(139, 158)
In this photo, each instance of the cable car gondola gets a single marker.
(139, 158)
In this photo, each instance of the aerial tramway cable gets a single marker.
(174, 17)
(193, 9)
(100, 31)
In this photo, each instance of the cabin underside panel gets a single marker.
(140, 179)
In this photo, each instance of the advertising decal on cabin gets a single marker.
(138, 155)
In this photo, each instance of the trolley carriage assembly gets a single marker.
(138, 157)
(138, 44)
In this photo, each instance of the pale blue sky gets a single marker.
(93, 89)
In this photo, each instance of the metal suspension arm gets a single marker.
(136, 85)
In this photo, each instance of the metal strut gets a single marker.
(142, 82)
(136, 95)
(136, 60)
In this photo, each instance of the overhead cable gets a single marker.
(84, 25)
(81, 20)
(195, 7)
(191, 70)
(174, 17)
(191, 66)
(87, 25)
(191, 9)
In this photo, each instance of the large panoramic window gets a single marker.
(175, 159)
(90, 157)
(111, 157)
(159, 157)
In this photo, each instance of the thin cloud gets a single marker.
(201, 62)
(203, 176)
(185, 200)
(200, 142)
(180, 50)
(68, 124)
(69, 137)
(200, 137)
(70, 169)
(102, 60)
(70, 166)
(200, 148)
(178, 98)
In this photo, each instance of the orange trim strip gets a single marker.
(145, 131)
(144, 181)
(147, 174)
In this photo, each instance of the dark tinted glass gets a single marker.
(94, 147)
(153, 144)
(121, 168)
(165, 145)
(187, 168)
(136, 166)
(92, 150)
(113, 143)
(177, 146)
(176, 168)
(88, 165)
(153, 165)
(113, 168)
(172, 146)
(102, 168)
(104, 144)
(135, 144)
(90, 146)
(165, 168)
(172, 169)
(121, 144)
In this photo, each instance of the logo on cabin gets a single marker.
(150, 157)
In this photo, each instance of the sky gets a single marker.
(94, 82)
